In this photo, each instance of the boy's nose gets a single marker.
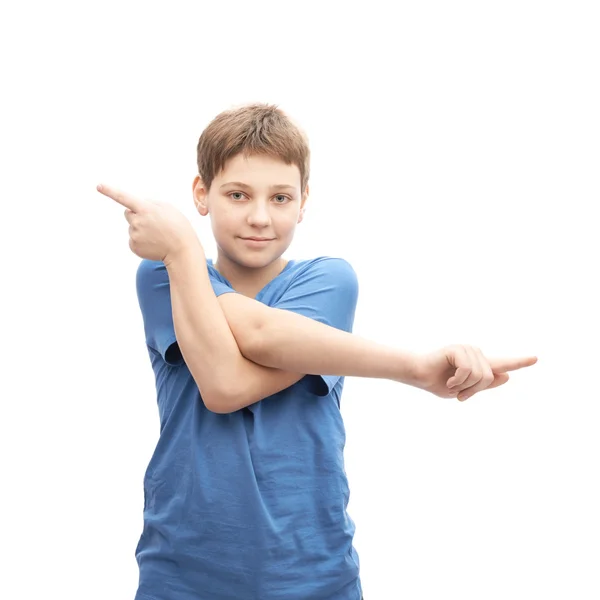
(259, 216)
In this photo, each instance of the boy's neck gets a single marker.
(248, 281)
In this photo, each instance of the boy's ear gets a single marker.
(200, 195)
(303, 205)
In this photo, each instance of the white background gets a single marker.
(455, 165)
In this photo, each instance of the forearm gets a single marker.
(207, 344)
(235, 338)
(292, 342)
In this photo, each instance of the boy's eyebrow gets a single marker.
(279, 186)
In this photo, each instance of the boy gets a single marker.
(245, 495)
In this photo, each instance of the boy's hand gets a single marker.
(464, 371)
(157, 231)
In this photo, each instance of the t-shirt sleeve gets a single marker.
(154, 297)
(326, 290)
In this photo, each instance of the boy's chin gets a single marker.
(258, 262)
(253, 259)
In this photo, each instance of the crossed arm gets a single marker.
(240, 351)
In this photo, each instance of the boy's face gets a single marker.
(253, 197)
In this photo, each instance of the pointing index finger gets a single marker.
(126, 200)
(502, 365)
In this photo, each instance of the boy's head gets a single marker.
(253, 170)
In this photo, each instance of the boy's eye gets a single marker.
(279, 199)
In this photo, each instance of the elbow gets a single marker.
(219, 408)
(219, 389)
(222, 402)
(253, 346)
(248, 326)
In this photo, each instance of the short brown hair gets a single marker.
(252, 129)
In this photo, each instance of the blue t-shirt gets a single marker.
(249, 505)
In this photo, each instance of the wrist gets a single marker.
(190, 250)
(407, 368)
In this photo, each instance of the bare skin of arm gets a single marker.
(225, 342)
(276, 348)
(233, 339)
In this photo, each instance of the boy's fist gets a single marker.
(462, 371)
(157, 231)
